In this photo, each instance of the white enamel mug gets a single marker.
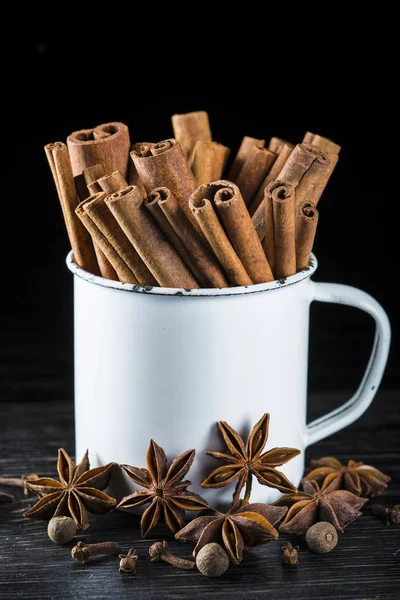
(167, 364)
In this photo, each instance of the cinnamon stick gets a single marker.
(277, 144)
(284, 224)
(82, 247)
(106, 144)
(106, 269)
(91, 175)
(255, 168)
(123, 272)
(151, 202)
(268, 225)
(204, 265)
(96, 208)
(165, 165)
(306, 226)
(149, 241)
(241, 156)
(258, 202)
(322, 143)
(259, 222)
(207, 218)
(191, 128)
(89, 186)
(133, 176)
(208, 161)
(112, 182)
(308, 170)
(233, 212)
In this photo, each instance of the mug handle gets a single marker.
(358, 404)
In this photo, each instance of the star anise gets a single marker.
(243, 526)
(244, 463)
(356, 477)
(313, 504)
(165, 490)
(77, 492)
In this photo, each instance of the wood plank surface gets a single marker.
(365, 564)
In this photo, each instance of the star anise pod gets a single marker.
(243, 526)
(313, 504)
(165, 490)
(244, 462)
(356, 477)
(77, 492)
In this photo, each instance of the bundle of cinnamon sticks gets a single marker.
(162, 214)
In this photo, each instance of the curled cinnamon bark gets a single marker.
(151, 202)
(205, 214)
(277, 144)
(242, 154)
(208, 161)
(91, 175)
(191, 128)
(322, 143)
(133, 178)
(81, 244)
(308, 171)
(112, 182)
(268, 226)
(306, 226)
(98, 211)
(123, 272)
(149, 241)
(284, 225)
(272, 175)
(165, 165)
(204, 265)
(233, 212)
(255, 168)
(106, 144)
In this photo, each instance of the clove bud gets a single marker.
(127, 563)
(392, 515)
(159, 551)
(289, 554)
(83, 552)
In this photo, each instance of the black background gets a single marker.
(58, 86)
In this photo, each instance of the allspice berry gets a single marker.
(61, 530)
(322, 537)
(212, 560)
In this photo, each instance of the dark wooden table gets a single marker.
(365, 564)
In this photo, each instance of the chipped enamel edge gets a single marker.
(162, 291)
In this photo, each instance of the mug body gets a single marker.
(169, 364)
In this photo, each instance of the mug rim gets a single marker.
(277, 284)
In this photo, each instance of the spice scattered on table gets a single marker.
(61, 530)
(391, 515)
(313, 504)
(76, 493)
(243, 526)
(165, 491)
(245, 462)
(322, 537)
(82, 552)
(127, 562)
(159, 552)
(212, 560)
(356, 477)
(19, 481)
(289, 554)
